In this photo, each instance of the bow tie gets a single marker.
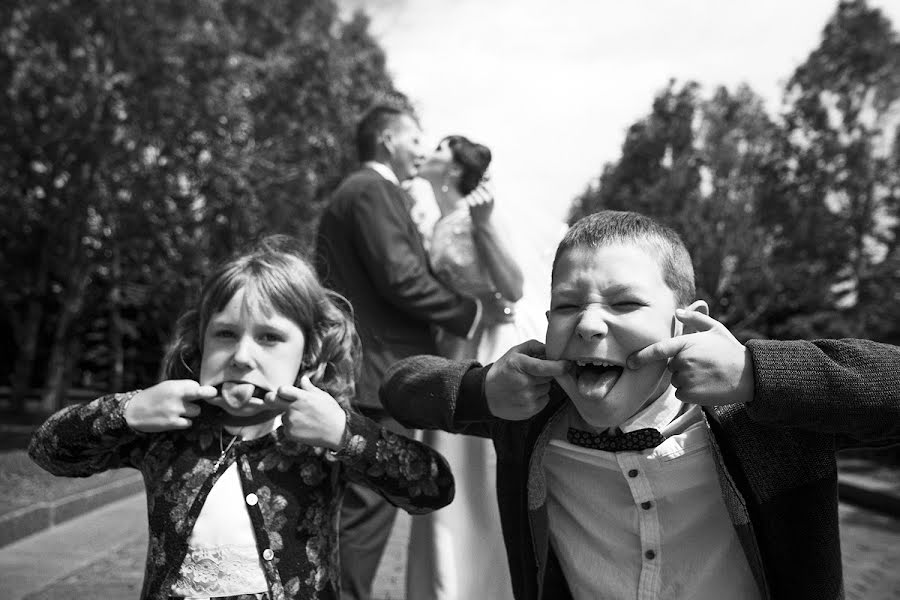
(633, 440)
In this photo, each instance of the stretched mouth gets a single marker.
(596, 377)
(240, 393)
(245, 389)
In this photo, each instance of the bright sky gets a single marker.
(551, 87)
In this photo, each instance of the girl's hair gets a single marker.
(472, 158)
(276, 278)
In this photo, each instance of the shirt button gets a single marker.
(633, 473)
(646, 505)
(268, 554)
(650, 554)
(251, 499)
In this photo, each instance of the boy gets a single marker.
(737, 499)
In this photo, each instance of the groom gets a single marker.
(370, 251)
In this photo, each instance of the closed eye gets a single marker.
(629, 304)
(271, 338)
(564, 308)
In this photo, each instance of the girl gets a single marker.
(246, 447)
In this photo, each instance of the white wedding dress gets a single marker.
(454, 259)
(457, 552)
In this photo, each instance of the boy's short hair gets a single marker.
(371, 126)
(609, 227)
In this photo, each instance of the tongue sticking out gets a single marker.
(597, 381)
(237, 394)
(240, 392)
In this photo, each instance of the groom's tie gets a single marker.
(633, 440)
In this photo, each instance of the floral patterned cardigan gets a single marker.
(298, 487)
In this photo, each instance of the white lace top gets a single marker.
(222, 561)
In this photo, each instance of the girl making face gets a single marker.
(244, 491)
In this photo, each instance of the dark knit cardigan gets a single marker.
(296, 489)
(775, 456)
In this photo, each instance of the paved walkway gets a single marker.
(101, 555)
(66, 561)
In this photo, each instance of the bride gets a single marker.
(458, 552)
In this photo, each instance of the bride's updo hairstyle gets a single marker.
(472, 158)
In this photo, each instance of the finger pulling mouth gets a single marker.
(236, 408)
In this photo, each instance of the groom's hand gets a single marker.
(495, 310)
(517, 386)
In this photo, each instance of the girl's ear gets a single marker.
(699, 306)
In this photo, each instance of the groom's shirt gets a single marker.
(425, 211)
(383, 170)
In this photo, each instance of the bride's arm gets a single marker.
(503, 268)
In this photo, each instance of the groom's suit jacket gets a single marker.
(369, 250)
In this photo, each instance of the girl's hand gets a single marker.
(311, 415)
(167, 405)
(481, 205)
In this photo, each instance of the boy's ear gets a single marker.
(701, 307)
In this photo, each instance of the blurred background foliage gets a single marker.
(792, 221)
(139, 142)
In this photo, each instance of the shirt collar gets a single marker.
(658, 415)
(383, 170)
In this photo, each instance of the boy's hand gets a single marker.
(709, 367)
(167, 405)
(311, 415)
(517, 386)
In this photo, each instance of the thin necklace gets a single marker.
(224, 450)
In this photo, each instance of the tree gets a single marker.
(842, 124)
(700, 166)
(793, 222)
(143, 141)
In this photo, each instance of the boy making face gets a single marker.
(609, 486)
(617, 281)
(608, 302)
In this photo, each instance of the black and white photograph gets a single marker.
(450, 300)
